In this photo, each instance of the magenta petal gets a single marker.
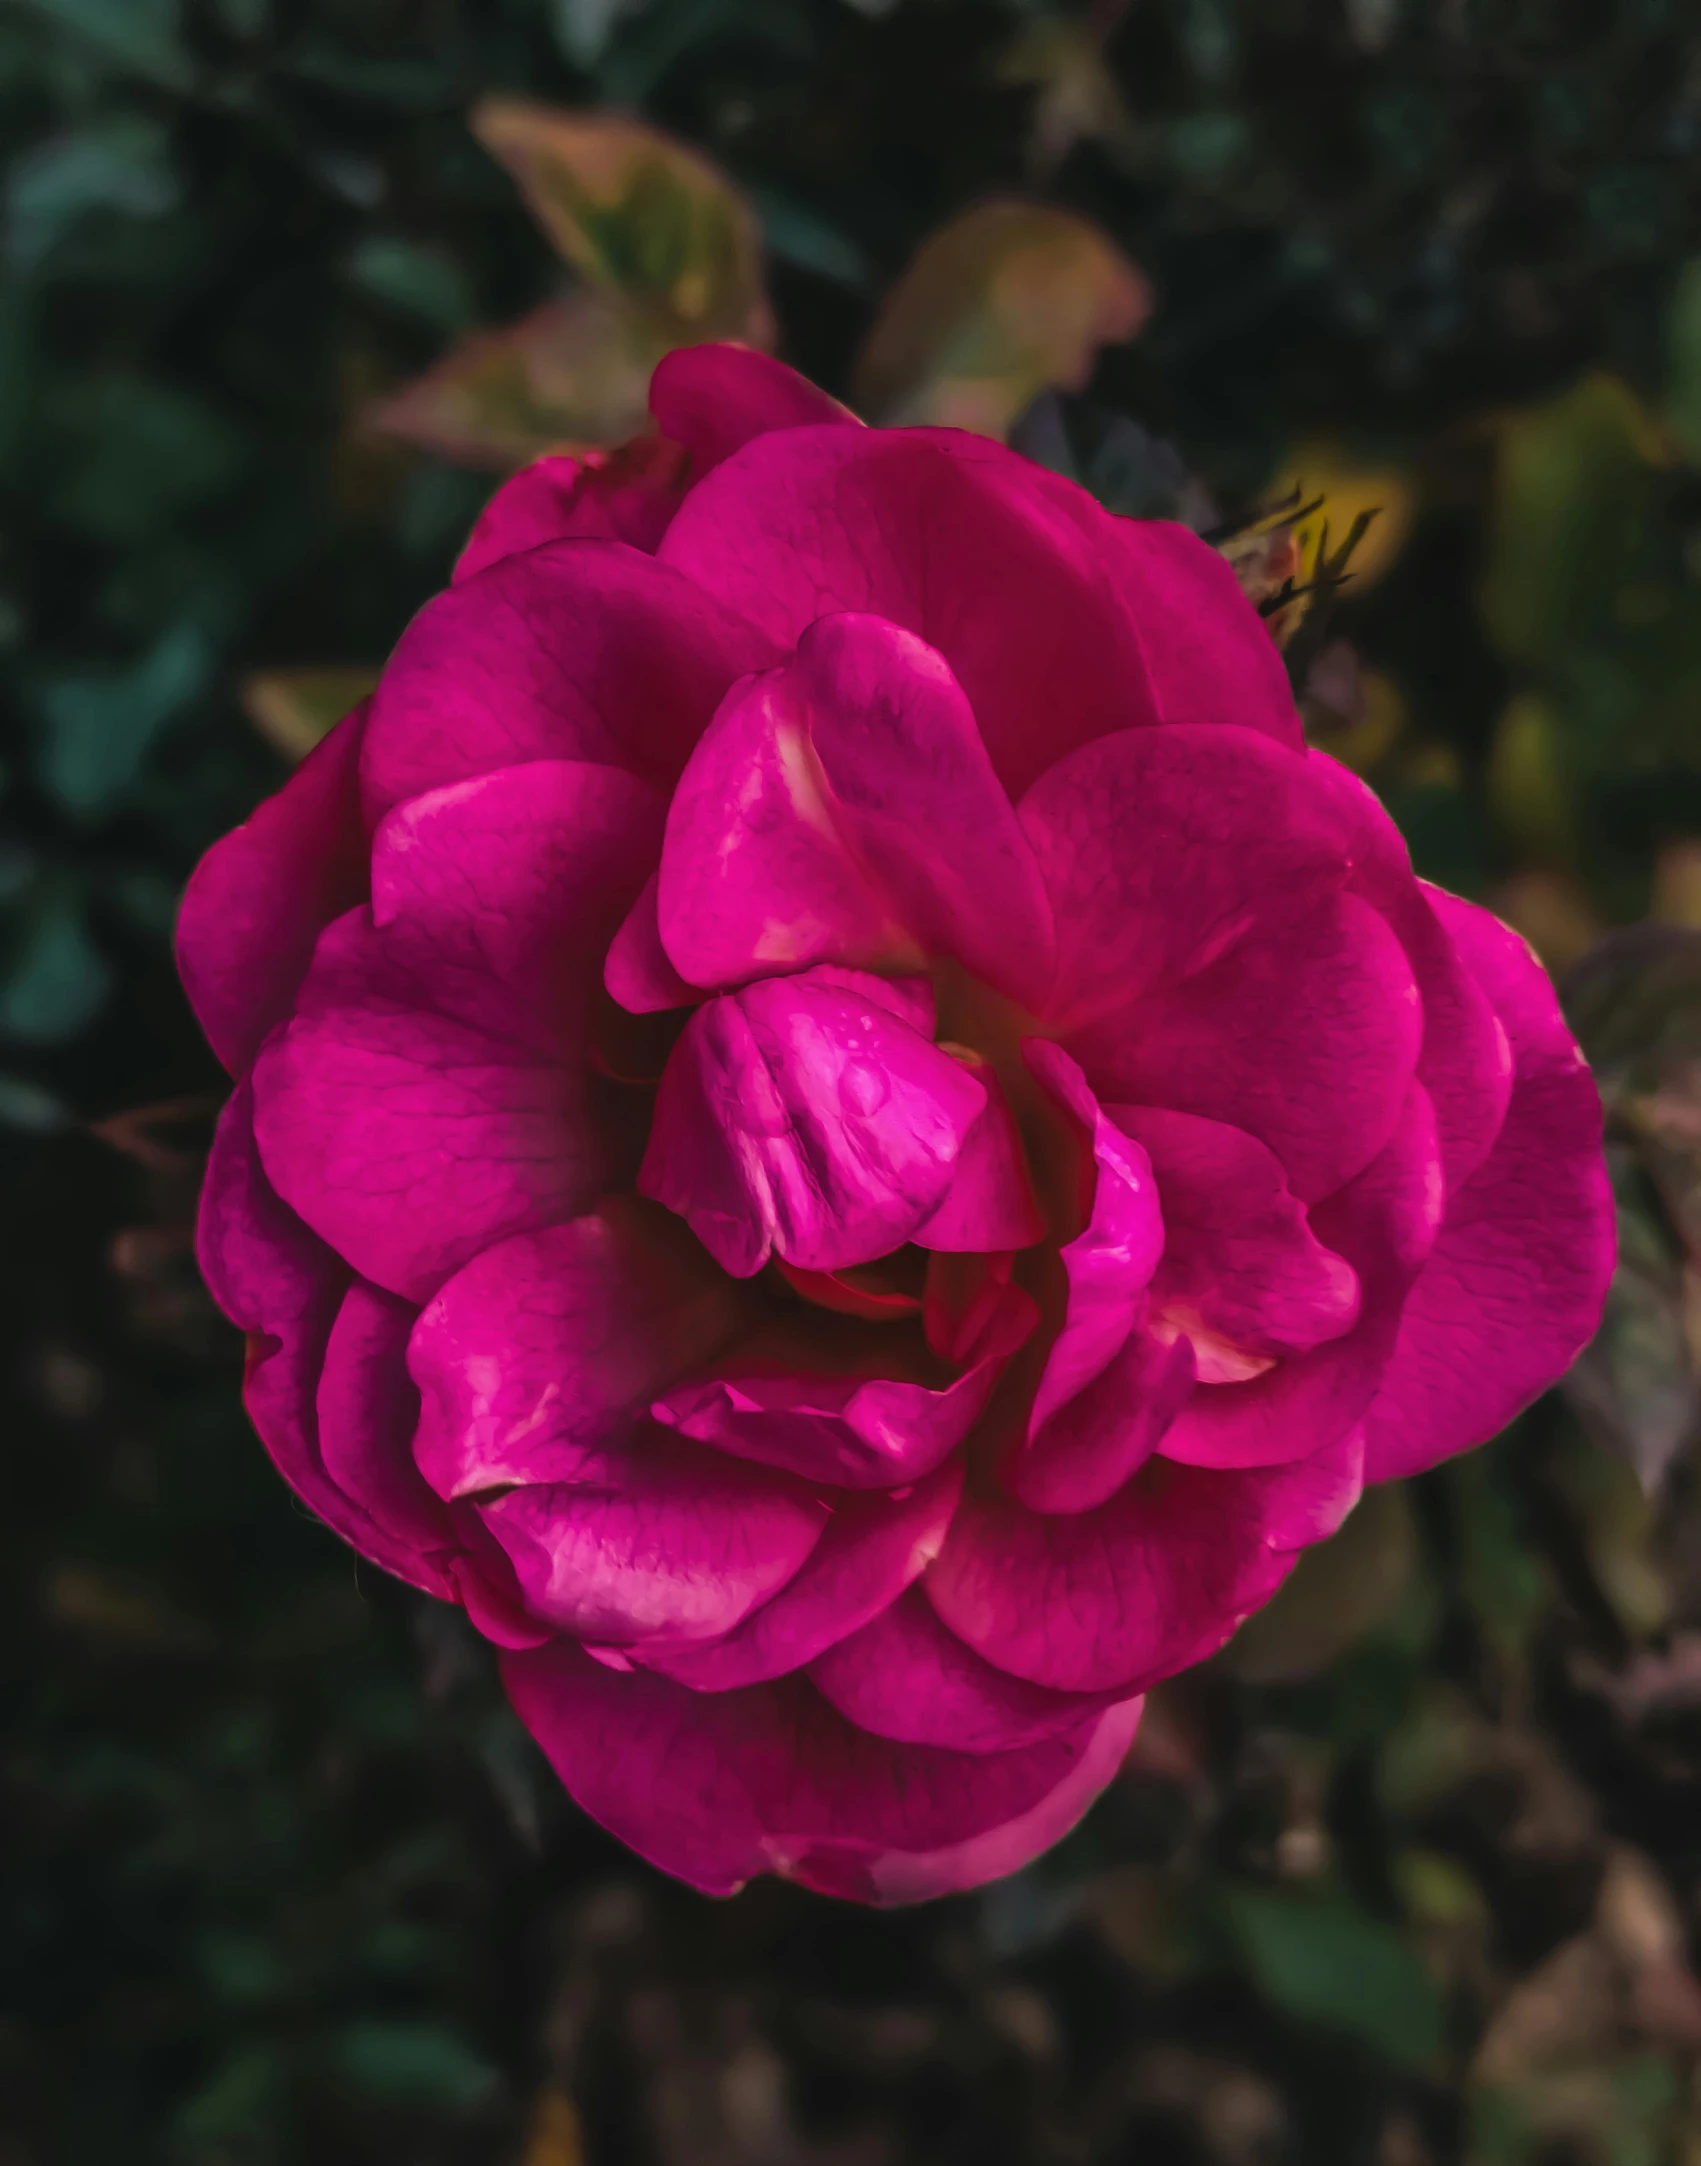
(989, 1207)
(677, 1545)
(538, 1357)
(432, 1092)
(863, 1431)
(952, 538)
(1098, 1440)
(1518, 1275)
(1233, 834)
(717, 1787)
(279, 1283)
(368, 1410)
(576, 651)
(843, 809)
(1241, 1263)
(1306, 1034)
(1157, 1578)
(1384, 1223)
(1465, 1064)
(905, 1677)
(1109, 1264)
(874, 1547)
(715, 399)
(626, 495)
(261, 896)
(638, 971)
(801, 1117)
(1208, 652)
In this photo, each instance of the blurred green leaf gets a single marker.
(136, 453)
(99, 725)
(294, 708)
(1325, 1961)
(410, 276)
(1009, 300)
(1337, 1592)
(57, 979)
(121, 164)
(1683, 359)
(136, 34)
(416, 2063)
(1571, 496)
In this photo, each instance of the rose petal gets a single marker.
(990, 1207)
(262, 895)
(1516, 1281)
(875, 1546)
(717, 398)
(952, 538)
(537, 1358)
(576, 651)
(801, 1117)
(679, 1544)
(368, 1410)
(626, 495)
(716, 1787)
(905, 1677)
(279, 1283)
(432, 1092)
(1098, 1440)
(843, 809)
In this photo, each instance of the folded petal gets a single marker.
(678, 1544)
(905, 1677)
(281, 1285)
(1303, 1033)
(1241, 1264)
(875, 1545)
(625, 495)
(1384, 1224)
(262, 895)
(842, 808)
(1082, 1454)
(579, 650)
(1516, 1281)
(952, 538)
(638, 971)
(990, 1207)
(1153, 1580)
(432, 1092)
(801, 1117)
(714, 399)
(368, 1411)
(717, 1787)
(536, 1360)
(1161, 848)
(1108, 1265)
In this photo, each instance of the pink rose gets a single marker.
(842, 1135)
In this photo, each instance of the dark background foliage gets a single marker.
(1410, 1875)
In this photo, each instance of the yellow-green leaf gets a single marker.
(1009, 300)
(572, 376)
(293, 708)
(638, 215)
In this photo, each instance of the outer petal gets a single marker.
(677, 1545)
(1100, 1439)
(843, 809)
(368, 1410)
(279, 1283)
(801, 1117)
(951, 537)
(538, 1357)
(715, 399)
(1515, 1284)
(874, 1547)
(1305, 1034)
(1241, 1264)
(262, 895)
(1384, 1223)
(576, 651)
(1153, 1580)
(1232, 834)
(431, 1093)
(905, 1677)
(627, 495)
(719, 1787)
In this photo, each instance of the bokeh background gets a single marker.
(1412, 1873)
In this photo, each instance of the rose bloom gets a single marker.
(841, 1134)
